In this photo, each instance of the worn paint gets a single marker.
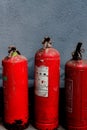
(15, 92)
(76, 94)
(46, 104)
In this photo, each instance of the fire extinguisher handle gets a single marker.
(77, 54)
(12, 51)
(47, 42)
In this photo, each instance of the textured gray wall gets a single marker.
(24, 23)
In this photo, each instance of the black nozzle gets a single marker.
(77, 54)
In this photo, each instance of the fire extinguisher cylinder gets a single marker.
(15, 87)
(47, 73)
(76, 91)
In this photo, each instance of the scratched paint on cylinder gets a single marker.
(15, 90)
(46, 108)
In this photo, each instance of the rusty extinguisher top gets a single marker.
(47, 43)
(12, 51)
(77, 60)
(14, 55)
(77, 54)
(47, 50)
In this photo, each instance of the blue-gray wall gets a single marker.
(25, 23)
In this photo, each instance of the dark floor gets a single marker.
(29, 128)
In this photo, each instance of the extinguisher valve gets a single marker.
(12, 51)
(77, 54)
(47, 43)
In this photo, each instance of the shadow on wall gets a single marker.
(1, 103)
(31, 68)
(0, 73)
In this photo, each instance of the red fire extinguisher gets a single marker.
(47, 72)
(15, 86)
(76, 91)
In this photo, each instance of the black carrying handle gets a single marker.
(47, 43)
(77, 54)
(12, 49)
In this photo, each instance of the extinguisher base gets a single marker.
(77, 128)
(43, 126)
(16, 126)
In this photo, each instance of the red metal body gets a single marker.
(15, 85)
(76, 94)
(47, 72)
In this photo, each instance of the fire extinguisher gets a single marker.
(76, 91)
(47, 73)
(15, 87)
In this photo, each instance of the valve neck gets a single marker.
(47, 43)
(12, 51)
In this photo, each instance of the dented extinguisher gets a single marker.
(76, 91)
(47, 73)
(15, 86)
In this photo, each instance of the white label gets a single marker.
(69, 95)
(41, 81)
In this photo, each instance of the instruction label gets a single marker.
(69, 95)
(41, 81)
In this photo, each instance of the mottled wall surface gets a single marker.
(24, 23)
